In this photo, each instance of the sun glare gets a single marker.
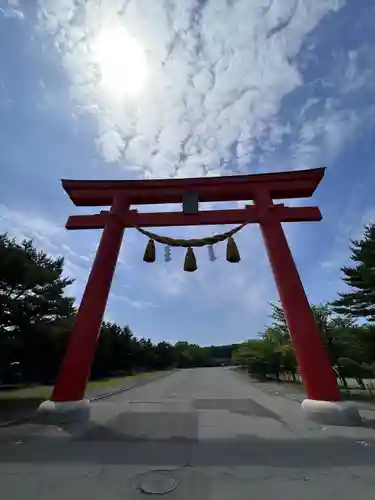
(122, 62)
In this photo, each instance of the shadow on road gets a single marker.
(12, 409)
(105, 445)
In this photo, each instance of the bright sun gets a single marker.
(122, 62)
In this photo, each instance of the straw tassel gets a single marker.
(150, 253)
(190, 264)
(233, 255)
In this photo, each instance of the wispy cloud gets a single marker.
(320, 138)
(233, 86)
(11, 9)
(51, 238)
(242, 289)
(28, 225)
(349, 226)
(137, 304)
(219, 72)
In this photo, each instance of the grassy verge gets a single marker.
(359, 395)
(286, 385)
(34, 392)
(107, 383)
(18, 403)
(45, 391)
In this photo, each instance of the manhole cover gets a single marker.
(157, 483)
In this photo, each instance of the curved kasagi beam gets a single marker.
(280, 185)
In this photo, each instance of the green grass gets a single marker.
(358, 395)
(113, 382)
(35, 392)
(354, 393)
(45, 391)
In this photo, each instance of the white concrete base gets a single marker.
(331, 412)
(63, 411)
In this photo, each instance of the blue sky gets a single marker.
(217, 87)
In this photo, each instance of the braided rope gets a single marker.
(195, 242)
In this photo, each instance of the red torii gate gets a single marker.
(315, 367)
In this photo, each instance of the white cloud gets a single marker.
(218, 73)
(168, 281)
(349, 226)
(243, 290)
(11, 9)
(52, 239)
(136, 303)
(23, 225)
(219, 76)
(321, 138)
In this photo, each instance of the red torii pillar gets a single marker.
(315, 367)
(76, 366)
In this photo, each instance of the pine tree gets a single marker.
(361, 301)
(32, 286)
(35, 314)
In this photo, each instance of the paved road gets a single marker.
(209, 431)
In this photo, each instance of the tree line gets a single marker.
(347, 325)
(36, 317)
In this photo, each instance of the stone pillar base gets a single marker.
(331, 412)
(60, 412)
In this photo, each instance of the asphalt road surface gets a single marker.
(196, 434)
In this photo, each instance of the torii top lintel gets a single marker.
(280, 185)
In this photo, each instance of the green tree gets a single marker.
(278, 320)
(164, 356)
(361, 277)
(350, 368)
(32, 307)
(31, 286)
(275, 340)
(145, 355)
(261, 357)
(116, 351)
